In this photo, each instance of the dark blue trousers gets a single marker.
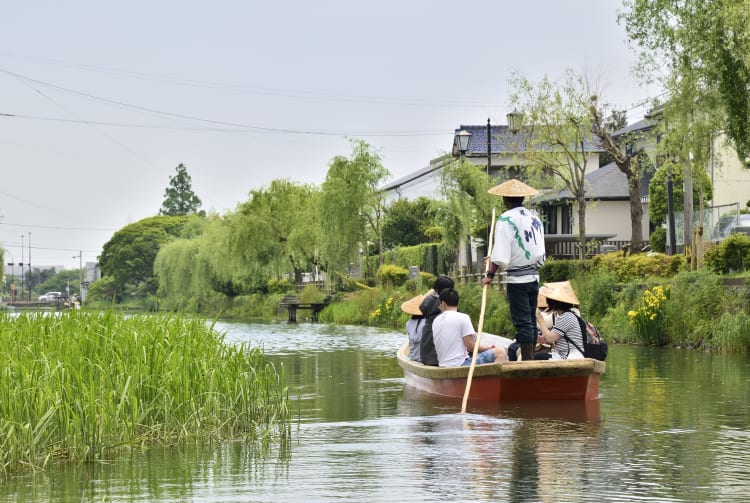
(522, 300)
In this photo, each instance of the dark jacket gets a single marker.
(430, 308)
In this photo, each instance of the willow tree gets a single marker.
(351, 206)
(699, 48)
(275, 232)
(467, 208)
(556, 134)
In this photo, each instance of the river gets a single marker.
(670, 425)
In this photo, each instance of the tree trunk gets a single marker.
(636, 214)
(581, 198)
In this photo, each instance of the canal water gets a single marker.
(670, 425)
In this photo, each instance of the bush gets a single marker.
(390, 275)
(597, 292)
(563, 270)
(658, 240)
(732, 254)
(733, 332)
(311, 294)
(639, 266)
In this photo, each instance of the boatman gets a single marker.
(518, 249)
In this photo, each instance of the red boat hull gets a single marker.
(510, 381)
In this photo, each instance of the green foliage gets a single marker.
(179, 198)
(697, 300)
(390, 275)
(563, 270)
(657, 191)
(732, 254)
(658, 240)
(351, 201)
(429, 257)
(421, 284)
(406, 222)
(701, 51)
(60, 281)
(128, 257)
(274, 232)
(640, 266)
(497, 315)
(105, 383)
(467, 208)
(733, 332)
(649, 316)
(386, 314)
(282, 285)
(434, 234)
(311, 293)
(597, 291)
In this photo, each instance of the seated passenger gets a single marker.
(454, 336)
(562, 302)
(430, 308)
(414, 325)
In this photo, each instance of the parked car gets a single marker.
(728, 224)
(50, 297)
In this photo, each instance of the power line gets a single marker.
(265, 91)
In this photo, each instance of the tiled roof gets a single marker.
(605, 183)
(641, 125)
(502, 140)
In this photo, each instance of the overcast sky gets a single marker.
(107, 98)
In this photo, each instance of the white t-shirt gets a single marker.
(448, 332)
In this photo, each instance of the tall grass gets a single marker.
(83, 385)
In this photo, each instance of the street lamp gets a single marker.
(80, 274)
(514, 121)
(462, 140)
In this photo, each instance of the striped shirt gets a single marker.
(567, 324)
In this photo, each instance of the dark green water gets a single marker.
(671, 425)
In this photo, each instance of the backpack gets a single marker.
(594, 345)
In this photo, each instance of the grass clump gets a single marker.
(81, 386)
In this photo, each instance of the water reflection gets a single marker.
(671, 425)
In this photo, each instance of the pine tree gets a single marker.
(179, 198)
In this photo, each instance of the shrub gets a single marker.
(279, 285)
(562, 270)
(732, 254)
(658, 240)
(311, 294)
(390, 275)
(639, 266)
(597, 292)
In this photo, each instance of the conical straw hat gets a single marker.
(561, 291)
(541, 300)
(411, 306)
(513, 188)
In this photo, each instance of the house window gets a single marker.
(549, 219)
(567, 220)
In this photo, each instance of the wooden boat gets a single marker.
(508, 381)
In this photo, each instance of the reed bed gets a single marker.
(82, 386)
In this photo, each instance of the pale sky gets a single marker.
(107, 98)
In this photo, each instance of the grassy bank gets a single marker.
(83, 385)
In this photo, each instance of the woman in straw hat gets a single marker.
(414, 325)
(518, 250)
(561, 300)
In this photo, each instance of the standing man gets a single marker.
(519, 251)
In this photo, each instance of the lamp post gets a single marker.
(80, 273)
(21, 264)
(489, 148)
(13, 284)
(514, 121)
(462, 140)
(29, 284)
